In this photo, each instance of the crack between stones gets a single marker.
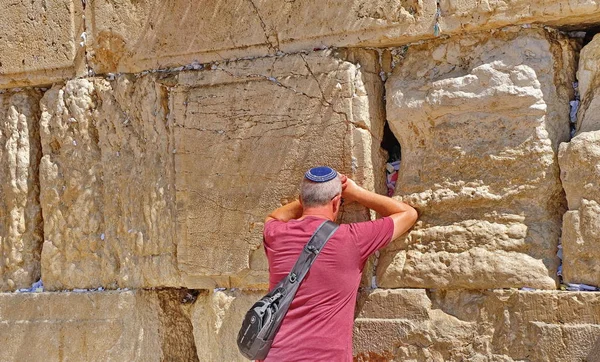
(276, 81)
(237, 128)
(226, 208)
(264, 27)
(316, 80)
(168, 97)
(88, 70)
(38, 161)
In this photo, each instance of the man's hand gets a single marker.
(350, 189)
(403, 215)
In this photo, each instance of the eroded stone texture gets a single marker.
(20, 213)
(245, 134)
(588, 75)
(479, 119)
(108, 194)
(39, 41)
(477, 326)
(217, 318)
(130, 36)
(108, 326)
(440, 326)
(580, 174)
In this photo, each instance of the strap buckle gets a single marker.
(312, 249)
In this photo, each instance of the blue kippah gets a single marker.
(321, 174)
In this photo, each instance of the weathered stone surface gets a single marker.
(217, 318)
(39, 41)
(420, 325)
(108, 194)
(594, 355)
(20, 213)
(580, 174)
(108, 326)
(479, 119)
(477, 326)
(588, 75)
(130, 36)
(245, 133)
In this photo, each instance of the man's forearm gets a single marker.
(287, 212)
(403, 216)
(383, 205)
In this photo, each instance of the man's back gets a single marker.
(318, 325)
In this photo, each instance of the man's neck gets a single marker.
(320, 212)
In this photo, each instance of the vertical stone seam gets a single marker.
(375, 256)
(37, 161)
(573, 128)
(83, 44)
(170, 125)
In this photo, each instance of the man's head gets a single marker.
(320, 186)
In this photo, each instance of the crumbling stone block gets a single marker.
(501, 325)
(421, 325)
(580, 177)
(20, 213)
(40, 42)
(95, 326)
(108, 193)
(246, 132)
(217, 317)
(588, 76)
(479, 119)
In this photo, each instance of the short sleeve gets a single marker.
(269, 229)
(371, 236)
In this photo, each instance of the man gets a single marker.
(318, 324)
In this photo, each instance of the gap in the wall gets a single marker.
(590, 33)
(391, 145)
(585, 36)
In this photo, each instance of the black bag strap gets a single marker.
(284, 292)
(310, 252)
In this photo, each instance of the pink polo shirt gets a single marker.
(318, 325)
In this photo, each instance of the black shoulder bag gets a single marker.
(263, 320)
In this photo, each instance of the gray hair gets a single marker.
(315, 194)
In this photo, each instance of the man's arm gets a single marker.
(287, 212)
(403, 215)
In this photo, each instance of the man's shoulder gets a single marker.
(272, 224)
(377, 223)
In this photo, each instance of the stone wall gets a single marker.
(479, 119)
(143, 143)
(243, 134)
(21, 226)
(98, 326)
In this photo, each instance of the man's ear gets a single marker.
(300, 200)
(336, 203)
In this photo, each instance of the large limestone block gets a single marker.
(245, 133)
(502, 325)
(20, 213)
(129, 36)
(107, 177)
(580, 174)
(479, 120)
(39, 41)
(107, 326)
(588, 75)
(217, 317)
